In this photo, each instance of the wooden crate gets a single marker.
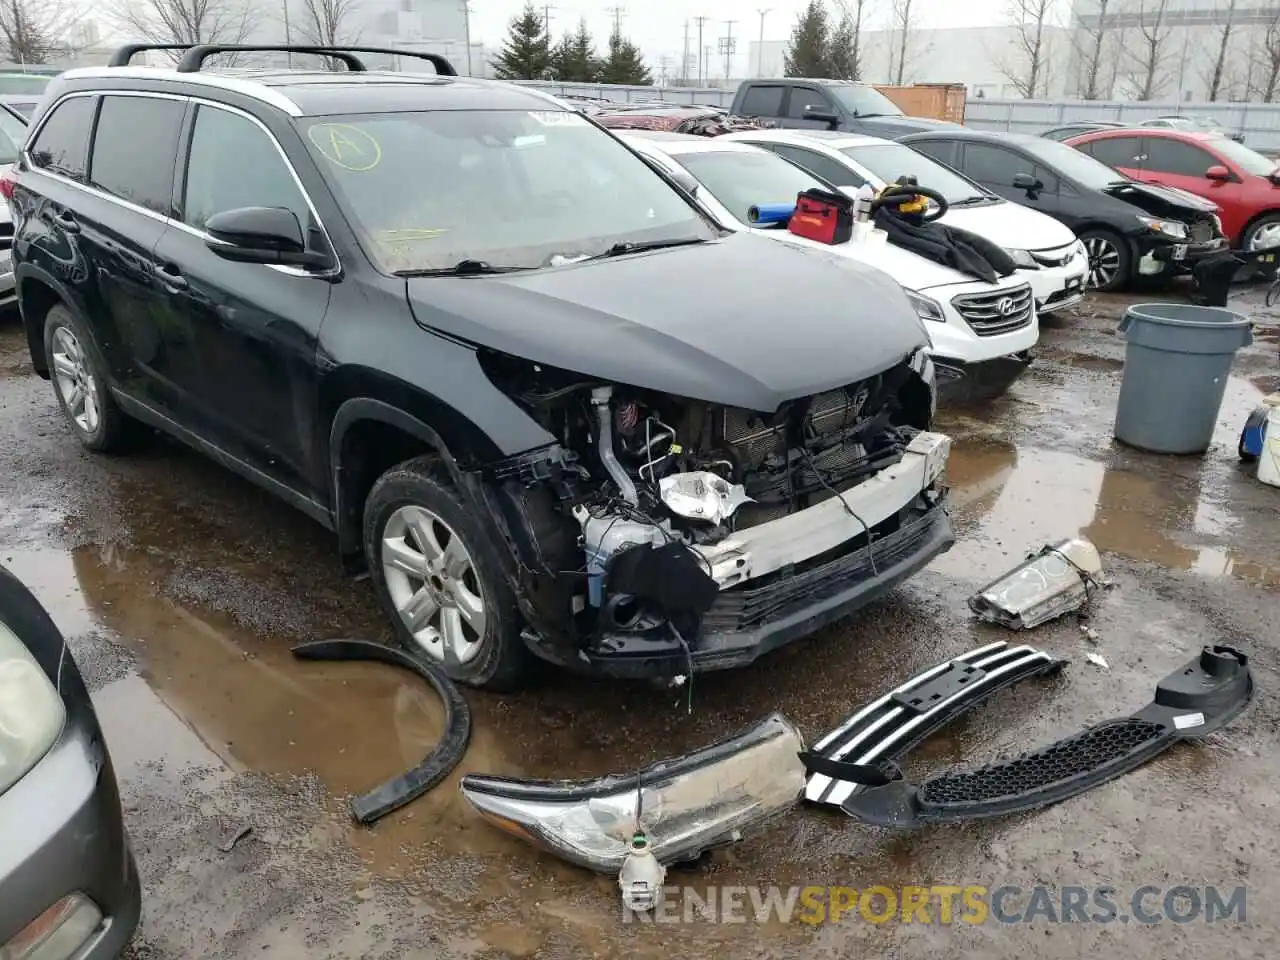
(940, 101)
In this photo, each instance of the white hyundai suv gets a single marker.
(1048, 255)
(981, 332)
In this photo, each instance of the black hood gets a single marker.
(745, 321)
(1160, 201)
(891, 128)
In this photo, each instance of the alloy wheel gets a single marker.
(1104, 261)
(1267, 235)
(434, 585)
(76, 383)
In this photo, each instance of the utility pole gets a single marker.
(664, 69)
(760, 46)
(288, 39)
(618, 14)
(684, 60)
(728, 45)
(546, 20)
(466, 29)
(706, 52)
(701, 49)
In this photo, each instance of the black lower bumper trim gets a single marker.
(960, 382)
(1194, 700)
(439, 763)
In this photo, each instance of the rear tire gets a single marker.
(79, 375)
(1110, 261)
(439, 578)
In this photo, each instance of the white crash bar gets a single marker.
(770, 546)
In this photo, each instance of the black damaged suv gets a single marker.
(550, 405)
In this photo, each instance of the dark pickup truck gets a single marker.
(828, 105)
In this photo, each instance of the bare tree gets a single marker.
(1150, 54)
(1028, 68)
(852, 15)
(324, 22)
(1218, 73)
(1094, 49)
(34, 30)
(902, 21)
(189, 21)
(1267, 56)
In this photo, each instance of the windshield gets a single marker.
(863, 101)
(741, 180)
(1247, 159)
(508, 188)
(889, 161)
(13, 132)
(23, 83)
(1071, 163)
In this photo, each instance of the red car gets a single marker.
(1244, 183)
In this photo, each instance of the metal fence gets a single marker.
(1259, 122)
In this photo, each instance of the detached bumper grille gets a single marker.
(991, 314)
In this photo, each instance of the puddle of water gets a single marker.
(1017, 499)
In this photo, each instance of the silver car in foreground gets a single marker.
(68, 883)
(13, 132)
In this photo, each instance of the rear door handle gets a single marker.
(67, 221)
(171, 277)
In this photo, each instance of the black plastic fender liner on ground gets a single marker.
(1196, 699)
(888, 728)
(438, 764)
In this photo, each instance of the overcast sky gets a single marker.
(657, 26)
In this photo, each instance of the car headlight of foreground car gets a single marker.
(57, 933)
(31, 712)
(687, 805)
(926, 308)
(1175, 229)
(1023, 259)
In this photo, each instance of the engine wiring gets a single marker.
(871, 553)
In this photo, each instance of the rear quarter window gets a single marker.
(144, 177)
(62, 145)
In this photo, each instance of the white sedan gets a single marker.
(1048, 255)
(981, 332)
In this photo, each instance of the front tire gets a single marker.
(439, 578)
(79, 376)
(1110, 262)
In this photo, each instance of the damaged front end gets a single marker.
(663, 535)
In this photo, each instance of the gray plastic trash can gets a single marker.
(1176, 363)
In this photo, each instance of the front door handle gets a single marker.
(67, 221)
(171, 277)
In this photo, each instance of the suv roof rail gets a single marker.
(195, 56)
(125, 54)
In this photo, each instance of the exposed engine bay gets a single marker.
(616, 523)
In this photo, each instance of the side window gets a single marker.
(944, 151)
(1118, 151)
(144, 177)
(62, 145)
(1175, 157)
(763, 101)
(802, 98)
(821, 167)
(993, 165)
(234, 163)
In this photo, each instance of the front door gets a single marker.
(257, 326)
(800, 100)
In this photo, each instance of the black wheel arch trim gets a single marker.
(26, 273)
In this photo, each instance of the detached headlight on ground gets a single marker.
(57, 933)
(687, 804)
(1024, 259)
(926, 309)
(31, 712)
(1170, 228)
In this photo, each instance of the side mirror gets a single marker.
(822, 115)
(1218, 172)
(267, 235)
(1025, 181)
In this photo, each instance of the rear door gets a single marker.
(1125, 154)
(763, 100)
(256, 325)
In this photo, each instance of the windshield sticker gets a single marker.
(346, 145)
(558, 118)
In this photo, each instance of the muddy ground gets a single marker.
(182, 587)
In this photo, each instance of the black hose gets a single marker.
(897, 194)
(439, 763)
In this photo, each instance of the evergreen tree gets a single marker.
(809, 52)
(842, 58)
(574, 58)
(624, 64)
(527, 53)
